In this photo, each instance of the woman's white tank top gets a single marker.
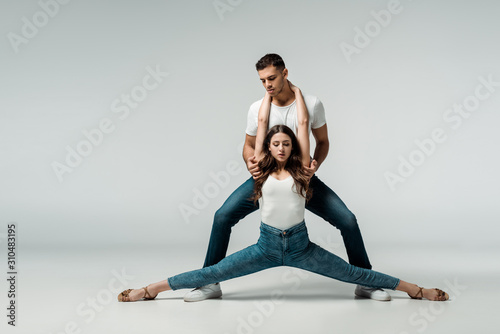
(280, 205)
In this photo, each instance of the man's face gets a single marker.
(273, 80)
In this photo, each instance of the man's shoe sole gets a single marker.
(368, 295)
(213, 295)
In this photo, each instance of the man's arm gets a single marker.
(249, 147)
(248, 155)
(322, 144)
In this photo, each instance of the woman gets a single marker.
(282, 189)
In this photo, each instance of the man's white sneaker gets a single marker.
(372, 293)
(205, 292)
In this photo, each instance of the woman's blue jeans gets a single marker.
(274, 248)
(324, 203)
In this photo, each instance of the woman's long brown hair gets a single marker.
(293, 165)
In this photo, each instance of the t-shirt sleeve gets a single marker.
(251, 122)
(319, 118)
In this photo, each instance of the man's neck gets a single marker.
(284, 98)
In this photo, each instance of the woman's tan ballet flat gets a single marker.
(124, 295)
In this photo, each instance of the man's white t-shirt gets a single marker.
(287, 115)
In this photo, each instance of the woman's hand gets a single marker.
(294, 88)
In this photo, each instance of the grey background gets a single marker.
(129, 190)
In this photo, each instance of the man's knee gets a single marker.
(348, 222)
(222, 219)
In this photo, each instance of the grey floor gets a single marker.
(75, 291)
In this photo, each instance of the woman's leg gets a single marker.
(320, 261)
(247, 261)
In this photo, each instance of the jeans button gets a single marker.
(284, 232)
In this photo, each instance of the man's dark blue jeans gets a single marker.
(324, 203)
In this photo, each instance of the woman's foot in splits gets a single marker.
(416, 292)
(149, 292)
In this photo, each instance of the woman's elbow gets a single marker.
(303, 123)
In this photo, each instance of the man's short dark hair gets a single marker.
(270, 59)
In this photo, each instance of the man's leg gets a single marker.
(236, 207)
(326, 204)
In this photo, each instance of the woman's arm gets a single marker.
(302, 125)
(263, 123)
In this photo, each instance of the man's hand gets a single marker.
(310, 170)
(253, 167)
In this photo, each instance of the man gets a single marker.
(324, 202)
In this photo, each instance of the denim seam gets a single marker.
(170, 284)
(264, 253)
(396, 284)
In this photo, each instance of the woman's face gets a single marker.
(280, 146)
